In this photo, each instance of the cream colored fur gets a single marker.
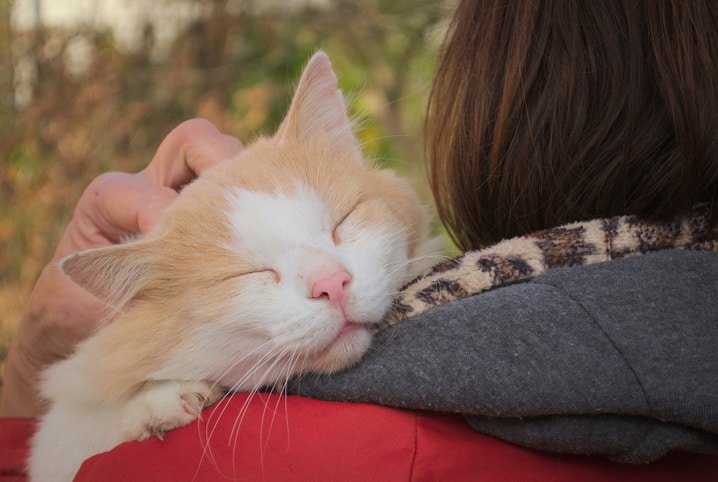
(220, 294)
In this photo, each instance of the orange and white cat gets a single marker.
(273, 263)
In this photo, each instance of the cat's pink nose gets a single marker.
(333, 287)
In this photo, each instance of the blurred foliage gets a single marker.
(63, 122)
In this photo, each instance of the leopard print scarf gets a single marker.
(522, 258)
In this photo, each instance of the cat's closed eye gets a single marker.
(336, 232)
(258, 272)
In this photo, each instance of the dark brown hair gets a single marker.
(545, 112)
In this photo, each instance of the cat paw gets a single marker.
(162, 406)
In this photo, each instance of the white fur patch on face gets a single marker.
(266, 225)
(288, 240)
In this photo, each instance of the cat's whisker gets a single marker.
(278, 357)
(279, 399)
(209, 428)
(258, 349)
(232, 439)
(291, 369)
(404, 264)
(282, 395)
(274, 355)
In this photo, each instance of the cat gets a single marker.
(273, 263)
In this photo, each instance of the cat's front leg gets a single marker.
(163, 405)
(75, 429)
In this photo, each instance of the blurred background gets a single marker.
(88, 86)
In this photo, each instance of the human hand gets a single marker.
(113, 207)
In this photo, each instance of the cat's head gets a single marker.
(287, 254)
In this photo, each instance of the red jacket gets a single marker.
(275, 438)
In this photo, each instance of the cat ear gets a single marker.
(318, 105)
(113, 274)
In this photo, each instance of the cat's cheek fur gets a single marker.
(347, 349)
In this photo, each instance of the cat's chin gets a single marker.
(345, 350)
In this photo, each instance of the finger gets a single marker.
(130, 204)
(192, 147)
(117, 205)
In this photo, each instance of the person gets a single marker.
(542, 113)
